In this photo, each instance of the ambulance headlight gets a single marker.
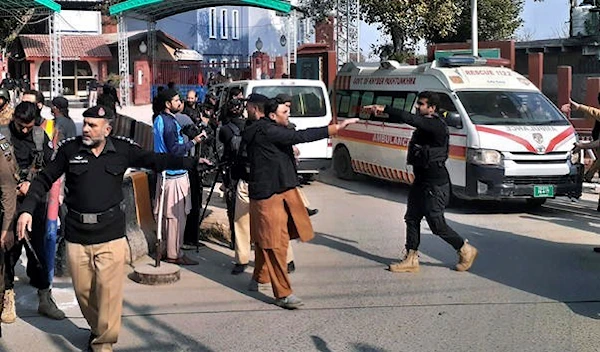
(484, 157)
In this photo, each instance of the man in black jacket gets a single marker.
(430, 192)
(276, 209)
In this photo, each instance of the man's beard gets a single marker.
(190, 104)
(89, 142)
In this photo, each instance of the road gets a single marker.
(534, 287)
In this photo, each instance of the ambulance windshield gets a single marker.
(510, 108)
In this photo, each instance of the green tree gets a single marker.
(497, 20)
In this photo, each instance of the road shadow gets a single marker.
(160, 336)
(564, 272)
(322, 346)
(216, 266)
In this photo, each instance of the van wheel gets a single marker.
(535, 202)
(342, 164)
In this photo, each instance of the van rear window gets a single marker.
(306, 101)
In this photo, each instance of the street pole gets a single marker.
(474, 35)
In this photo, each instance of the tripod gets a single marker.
(220, 167)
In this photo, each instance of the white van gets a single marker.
(310, 108)
(507, 140)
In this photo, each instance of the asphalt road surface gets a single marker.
(534, 287)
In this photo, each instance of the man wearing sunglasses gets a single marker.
(430, 192)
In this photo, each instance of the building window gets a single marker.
(75, 77)
(213, 62)
(235, 26)
(224, 66)
(235, 63)
(212, 23)
(224, 24)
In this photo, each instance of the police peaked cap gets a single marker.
(99, 112)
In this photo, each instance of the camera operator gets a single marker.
(230, 136)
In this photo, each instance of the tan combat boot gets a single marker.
(9, 313)
(466, 257)
(47, 305)
(410, 263)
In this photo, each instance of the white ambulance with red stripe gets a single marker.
(507, 140)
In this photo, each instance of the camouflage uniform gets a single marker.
(8, 199)
(6, 115)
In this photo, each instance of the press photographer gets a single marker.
(230, 135)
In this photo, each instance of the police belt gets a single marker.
(94, 218)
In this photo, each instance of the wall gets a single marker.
(269, 27)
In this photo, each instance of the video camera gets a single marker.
(192, 130)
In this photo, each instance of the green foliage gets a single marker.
(497, 20)
(407, 22)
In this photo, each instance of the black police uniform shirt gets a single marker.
(94, 184)
(430, 131)
(271, 157)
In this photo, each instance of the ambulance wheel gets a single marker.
(342, 164)
(535, 202)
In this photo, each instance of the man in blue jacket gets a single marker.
(177, 198)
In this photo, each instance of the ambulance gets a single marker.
(507, 140)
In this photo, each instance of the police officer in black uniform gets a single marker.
(94, 164)
(430, 192)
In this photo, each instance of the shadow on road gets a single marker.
(160, 336)
(321, 346)
(564, 272)
(217, 266)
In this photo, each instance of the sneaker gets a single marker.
(9, 313)
(289, 302)
(291, 267)
(238, 269)
(257, 286)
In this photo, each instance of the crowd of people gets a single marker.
(249, 141)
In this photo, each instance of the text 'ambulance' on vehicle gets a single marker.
(507, 140)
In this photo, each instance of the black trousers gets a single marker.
(429, 201)
(192, 225)
(38, 275)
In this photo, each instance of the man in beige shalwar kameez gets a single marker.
(277, 213)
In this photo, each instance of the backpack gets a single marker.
(38, 160)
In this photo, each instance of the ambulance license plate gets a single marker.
(543, 191)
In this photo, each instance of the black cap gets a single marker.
(257, 98)
(99, 112)
(60, 102)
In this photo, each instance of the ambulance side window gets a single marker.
(367, 99)
(343, 101)
(354, 106)
(446, 103)
(410, 101)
